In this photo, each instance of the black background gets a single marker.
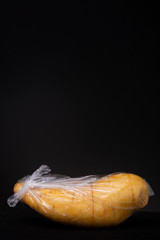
(79, 91)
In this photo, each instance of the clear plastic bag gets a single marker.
(86, 201)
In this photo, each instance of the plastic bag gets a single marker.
(86, 201)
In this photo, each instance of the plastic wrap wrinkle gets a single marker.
(38, 180)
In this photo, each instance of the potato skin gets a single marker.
(104, 203)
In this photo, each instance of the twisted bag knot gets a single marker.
(30, 181)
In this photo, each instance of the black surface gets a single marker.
(23, 223)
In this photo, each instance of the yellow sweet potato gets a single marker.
(106, 202)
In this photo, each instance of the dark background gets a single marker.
(79, 92)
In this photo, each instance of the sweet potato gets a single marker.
(103, 203)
